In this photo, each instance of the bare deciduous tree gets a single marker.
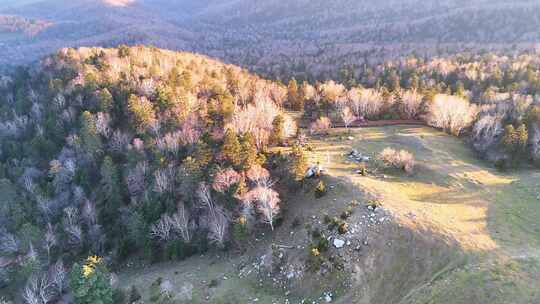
(164, 180)
(257, 173)
(320, 126)
(189, 133)
(266, 200)
(49, 241)
(102, 122)
(412, 102)
(169, 143)
(180, 222)
(162, 229)
(38, 290)
(136, 179)
(119, 141)
(58, 276)
(218, 220)
(8, 243)
(347, 116)
(451, 113)
(224, 179)
(402, 159)
(72, 227)
(89, 212)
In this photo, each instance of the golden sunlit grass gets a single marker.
(451, 191)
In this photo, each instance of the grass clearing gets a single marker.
(451, 190)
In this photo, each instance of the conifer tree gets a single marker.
(522, 138)
(278, 130)
(105, 101)
(89, 134)
(293, 95)
(509, 139)
(231, 148)
(143, 113)
(227, 106)
(111, 197)
(249, 151)
(185, 80)
(91, 282)
(164, 97)
(299, 163)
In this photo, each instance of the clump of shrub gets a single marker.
(327, 219)
(213, 283)
(373, 201)
(320, 190)
(403, 160)
(501, 164)
(319, 244)
(347, 212)
(340, 224)
(297, 221)
(362, 170)
(343, 227)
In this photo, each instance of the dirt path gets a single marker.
(381, 123)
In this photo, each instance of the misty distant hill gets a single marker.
(257, 32)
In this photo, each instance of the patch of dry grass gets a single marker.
(451, 190)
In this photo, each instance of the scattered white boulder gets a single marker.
(166, 287)
(314, 170)
(358, 157)
(339, 243)
(327, 297)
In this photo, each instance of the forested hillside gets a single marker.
(131, 151)
(282, 37)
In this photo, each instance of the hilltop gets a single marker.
(131, 152)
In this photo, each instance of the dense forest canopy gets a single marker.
(133, 150)
(162, 154)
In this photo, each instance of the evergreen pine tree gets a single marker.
(509, 139)
(249, 151)
(299, 164)
(105, 101)
(91, 282)
(227, 106)
(293, 96)
(522, 136)
(231, 148)
(89, 135)
(111, 197)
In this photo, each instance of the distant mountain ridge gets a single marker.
(262, 33)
